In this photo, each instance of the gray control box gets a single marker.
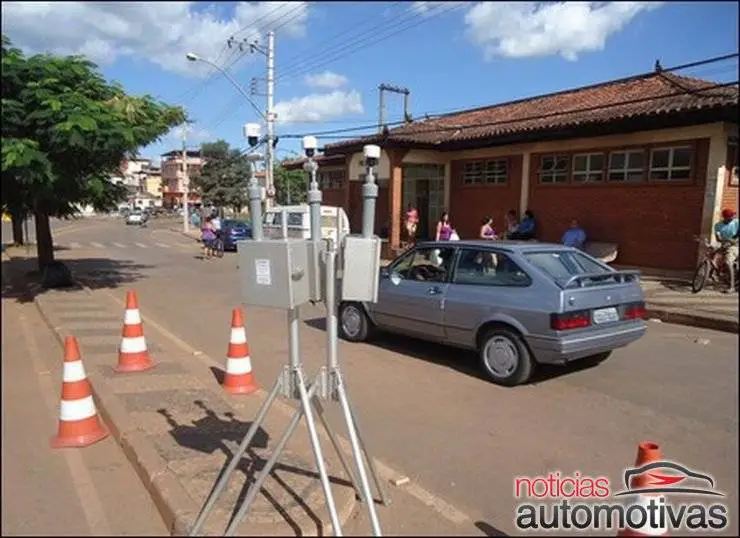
(275, 273)
(360, 268)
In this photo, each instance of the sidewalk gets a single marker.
(178, 428)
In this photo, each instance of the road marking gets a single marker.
(162, 245)
(385, 471)
(97, 245)
(119, 245)
(84, 485)
(141, 245)
(75, 245)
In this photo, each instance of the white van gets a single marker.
(299, 221)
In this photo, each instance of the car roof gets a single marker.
(510, 246)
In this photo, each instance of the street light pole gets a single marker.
(270, 153)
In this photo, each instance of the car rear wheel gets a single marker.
(504, 357)
(354, 325)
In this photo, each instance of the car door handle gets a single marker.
(434, 290)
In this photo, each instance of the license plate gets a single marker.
(605, 315)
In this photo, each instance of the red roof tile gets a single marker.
(644, 96)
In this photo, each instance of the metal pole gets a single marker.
(381, 109)
(185, 181)
(255, 204)
(314, 201)
(270, 153)
(331, 306)
(369, 194)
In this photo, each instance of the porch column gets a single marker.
(524, 191)
(395, 195)
(716, 177)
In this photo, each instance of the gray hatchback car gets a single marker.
(517, 303)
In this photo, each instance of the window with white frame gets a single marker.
(626, 165)
(554, 168)
(494, 171)
(331, 179)
(671, 164)
(588, 167)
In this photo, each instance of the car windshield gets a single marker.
(561, 265)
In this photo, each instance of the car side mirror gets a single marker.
(384, 273)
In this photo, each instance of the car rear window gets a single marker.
(563, 264)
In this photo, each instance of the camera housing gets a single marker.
(252, 133)
(310, 145)
(371, 153)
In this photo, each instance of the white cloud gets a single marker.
(327, 79)
(529, 29)
(319, 107)
(161, 32)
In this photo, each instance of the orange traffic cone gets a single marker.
(78, 420)
(646, 452)
(239, 378)
(133, 355)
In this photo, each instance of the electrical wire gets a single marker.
(450, 113)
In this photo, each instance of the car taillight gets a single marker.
(570, 320)
(635, 311)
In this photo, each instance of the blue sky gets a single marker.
(331, 56)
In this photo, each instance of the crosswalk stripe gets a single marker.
(162, 245)
(119, 245)
(141, 245)
(75, 245)
(97, 245)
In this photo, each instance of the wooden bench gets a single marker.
(606, 252)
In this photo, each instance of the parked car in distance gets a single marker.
(519, 304)
(233, 230)
(136, 217)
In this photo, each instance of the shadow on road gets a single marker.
(95, 273)
(211, 432)
(488, 530)
(462, 360)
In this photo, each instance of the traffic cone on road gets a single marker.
(79, 425)
(238, 378)
(647, 452)
(133, 355)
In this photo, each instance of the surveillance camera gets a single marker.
(372, 154)
(310, 145)
(252, 133)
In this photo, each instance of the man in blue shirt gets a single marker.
(574, 236)
(527, 228)
(726, 232)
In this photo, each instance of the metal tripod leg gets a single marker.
(358, 454)
(337, 448)
(236, 458)
(370, 462)
(257, 486)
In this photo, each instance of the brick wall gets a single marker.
(470, 203)
(653, 224)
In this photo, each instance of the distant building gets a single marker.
(172, 177)
(153, 182)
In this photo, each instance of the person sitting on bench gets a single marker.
(527, 228)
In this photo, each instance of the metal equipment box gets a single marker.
(360, 268)
(275, 273)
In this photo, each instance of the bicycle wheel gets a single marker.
(700, 276)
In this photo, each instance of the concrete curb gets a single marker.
(692, 320)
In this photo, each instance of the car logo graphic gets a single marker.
(659, 482)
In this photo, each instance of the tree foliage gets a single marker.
(65, 130)
(224, 177)
(291, 186)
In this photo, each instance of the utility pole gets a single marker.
(185, 180)
(394, 89)
(270, 153)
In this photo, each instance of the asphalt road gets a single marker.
(425, 410)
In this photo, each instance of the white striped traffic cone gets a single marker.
(79, 425)
(646, 452)
(133, 355)
(239, 378)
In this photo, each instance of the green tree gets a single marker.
(224, 177)
(291, 186)
(65, 130)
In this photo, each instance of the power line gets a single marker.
(352, 47)
(676, 68)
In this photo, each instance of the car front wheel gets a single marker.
(505, 357)
(354, 325)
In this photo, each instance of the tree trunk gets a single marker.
(17, 221)
(44, 242)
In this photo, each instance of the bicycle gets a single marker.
(710, 269)
(218, 246)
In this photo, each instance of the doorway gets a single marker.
(423, 187)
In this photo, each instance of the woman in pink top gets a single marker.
(444, 228)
